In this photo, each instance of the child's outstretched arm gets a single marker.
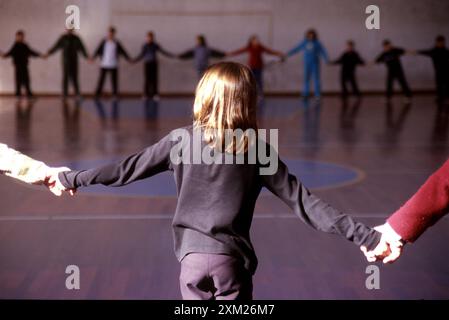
(424, 208)
(297, 49)
(323, 52)
(238, 51)
(146, 163)
(315, 212)
(189, 54)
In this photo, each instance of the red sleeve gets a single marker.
(425, 208)
(270, 51)
(239, 51)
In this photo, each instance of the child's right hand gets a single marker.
(389, 247)
(54, 184)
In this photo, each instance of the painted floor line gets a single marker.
(153, 217)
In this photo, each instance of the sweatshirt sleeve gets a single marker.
(165, 52)
(189, 54)
(141, 54)
(122, 51)
(359, 59)
(339, 60)
(11, 51)
(217, 53)
(271, 51)
(56, 46)
(380, 58)
(19, 166)
(315, 212)
(427, 52)
(82, 48)
(297, 49)
(424, 208)
(32, 52)
(99, 51)
(239, 51)
(323, 52)
(143, 164)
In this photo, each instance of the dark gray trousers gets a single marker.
(207, 276)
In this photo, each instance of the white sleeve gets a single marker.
(19, 166)
(5, 158)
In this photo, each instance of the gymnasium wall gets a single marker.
(227, 25)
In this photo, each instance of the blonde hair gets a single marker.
(226, 101)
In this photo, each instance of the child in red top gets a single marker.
(255, 50)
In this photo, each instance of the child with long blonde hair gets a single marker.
(216, 200)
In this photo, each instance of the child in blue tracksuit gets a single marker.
(313, 49)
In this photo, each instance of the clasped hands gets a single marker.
(389, 247)
(49, 178)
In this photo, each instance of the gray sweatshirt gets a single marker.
(216, 201)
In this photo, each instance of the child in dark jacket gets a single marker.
(349, 60)
(217, 193)
(149, 54)
(20, 53)
(391, 56)
(440, 59)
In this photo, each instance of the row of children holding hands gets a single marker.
(111, 49)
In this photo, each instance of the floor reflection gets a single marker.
(24, 109)
(311, 120)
